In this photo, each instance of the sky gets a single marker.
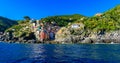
(37, 9)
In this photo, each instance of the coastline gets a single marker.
(107, 38)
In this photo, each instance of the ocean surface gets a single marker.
(56, 53)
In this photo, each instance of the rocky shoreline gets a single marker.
(93, 38)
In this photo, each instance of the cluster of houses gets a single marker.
(44, 30)
(47, 30)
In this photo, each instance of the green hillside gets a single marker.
(63, 20)
(6, 23)
(108, 21)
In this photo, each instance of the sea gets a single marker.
(59, 53)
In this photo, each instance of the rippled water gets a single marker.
(67, 53)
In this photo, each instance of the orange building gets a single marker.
(98, 14)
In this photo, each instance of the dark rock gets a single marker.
(87, 40)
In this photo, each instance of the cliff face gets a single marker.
(6, 23)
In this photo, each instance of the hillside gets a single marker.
(6, 23)
(61, 21)
(108, 21)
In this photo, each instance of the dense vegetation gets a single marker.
(63, 20)
(6, 23)
(108, 21)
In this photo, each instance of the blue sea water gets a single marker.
(56, 53)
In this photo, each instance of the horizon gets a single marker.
(36, 9)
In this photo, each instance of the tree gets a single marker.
(27, 18)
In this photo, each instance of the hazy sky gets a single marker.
(16, 9)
